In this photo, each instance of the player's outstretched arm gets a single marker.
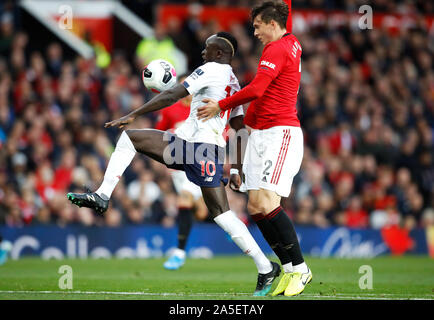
(160, 101)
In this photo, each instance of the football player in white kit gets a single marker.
(189, 196)
(196, 147)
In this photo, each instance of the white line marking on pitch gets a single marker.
(370, 296)
(124, 293)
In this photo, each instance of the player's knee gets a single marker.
(201, 214)
(201, 211)
(262, 205)
(185, 200)
(131, 134)
(139, 139)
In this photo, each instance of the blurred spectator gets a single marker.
(144, 190)
(6, 32)
(355, 215)
(161, 46)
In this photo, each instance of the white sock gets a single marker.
(119, 161)
(179, 253)
(239, 233)
(288, 268)
(302, 268)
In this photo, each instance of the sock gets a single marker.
(288, 268)
(180, 253)
(271, 236)
(185, 222)
(281, 222)
(239, 233)
(302, 268)
(119, 161)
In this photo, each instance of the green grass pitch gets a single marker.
(223, 277)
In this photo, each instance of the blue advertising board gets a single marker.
(206, 240)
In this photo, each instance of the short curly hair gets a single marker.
(271, 10)
(230, 38)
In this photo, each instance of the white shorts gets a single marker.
(272, 158)
(181, 183)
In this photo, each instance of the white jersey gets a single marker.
(215, 81)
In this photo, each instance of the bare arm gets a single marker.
(163, 100)
(237, 123)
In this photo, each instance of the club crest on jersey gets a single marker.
(268, 64)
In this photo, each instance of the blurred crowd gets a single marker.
(397, 6)
(366, 106)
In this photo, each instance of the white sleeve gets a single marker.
(200, 78)
(237, 111)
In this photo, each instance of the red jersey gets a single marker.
(275, 87)
(173, 116)
(280, 60)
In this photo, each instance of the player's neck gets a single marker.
(279, 34)
(223, 61)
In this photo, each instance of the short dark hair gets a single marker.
(271, 10)
(230, 38)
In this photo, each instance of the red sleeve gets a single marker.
(252, 91)
(289, 21)
(270, 64)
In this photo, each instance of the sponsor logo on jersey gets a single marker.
(268, 64)
(196, 73)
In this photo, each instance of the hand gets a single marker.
(235, 182)
(208, 111)
(121, 122)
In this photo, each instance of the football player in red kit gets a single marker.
(274, 151)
